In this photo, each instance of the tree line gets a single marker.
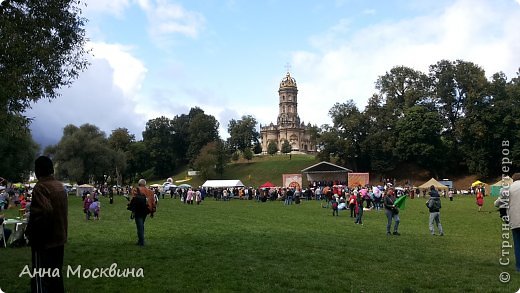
(451, 120)
(87, 154)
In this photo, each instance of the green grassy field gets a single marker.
(242, 245)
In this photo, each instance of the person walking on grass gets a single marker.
(86, 205)
(141, 204)
(480, 200)
(434, 205)
(335, 208)
(352, 205)
(359, 201)
(94, 208)
(391, 212)
(47, 228)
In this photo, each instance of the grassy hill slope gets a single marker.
(260, 169)
(270, 168)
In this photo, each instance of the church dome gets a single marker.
(288, 81)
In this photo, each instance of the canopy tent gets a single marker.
(433, 182)
(17, 185)
(325, 171)
(223, 183)
(495, 188)
(476, 183)
(268, 184)
(84, 187)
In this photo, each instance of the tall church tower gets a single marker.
(288, 127)
(288, 105)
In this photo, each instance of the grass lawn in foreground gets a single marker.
(247, 246)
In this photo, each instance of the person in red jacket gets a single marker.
(480, 200)
(352, 202)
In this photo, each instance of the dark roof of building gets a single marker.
(325, 167)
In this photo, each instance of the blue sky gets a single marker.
(162, 57)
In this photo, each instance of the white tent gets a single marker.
(84, 187)
(223, 183)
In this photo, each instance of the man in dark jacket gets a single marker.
(47, 228)
(142, 204)
(434, 205)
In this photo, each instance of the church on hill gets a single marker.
(288, 126)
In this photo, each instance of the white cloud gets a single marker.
(93, 99)
(168, 19)
(129, 71)
(105, 95)
(345, 65)
(114, 7)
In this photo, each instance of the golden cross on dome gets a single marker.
(288, 67)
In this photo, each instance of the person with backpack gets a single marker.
(434, 205)
(141, 204)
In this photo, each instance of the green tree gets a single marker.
(138, 160)
(243, 133)
(272, 148)
(18, 158)
(159, 138)
(83, 154)
(181, 138)
(120, 141)
(350, 127)
(207, 160)
(459, 88)
(247, 154)
(511, 118)
(380, 139)
(331, 144)
(190, 133)
(493, 118)
(41, 51)
(419, 137)
(402, 88)
(257, 148)
(223, 156)
(203, 129)
(286, 147)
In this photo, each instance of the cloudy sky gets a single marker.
(162, 57)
